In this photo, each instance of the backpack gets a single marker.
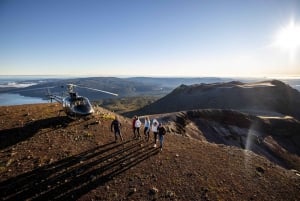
(162, 131)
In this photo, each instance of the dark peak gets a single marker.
(235, 83)
(278, 83)
(182, 87)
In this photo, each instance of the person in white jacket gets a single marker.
(147, 128)
(154, 129)
(137, 126)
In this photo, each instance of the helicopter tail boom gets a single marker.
(57, 98)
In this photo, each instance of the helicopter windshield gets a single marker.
(80, 101)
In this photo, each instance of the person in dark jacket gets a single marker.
(133, 127)
(161, 133)
(116, 127)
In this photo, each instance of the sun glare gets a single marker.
(288, 37)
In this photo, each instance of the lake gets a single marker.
(20, 82)
(7, 99)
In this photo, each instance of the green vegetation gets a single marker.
(127, 104)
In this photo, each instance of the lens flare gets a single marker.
(288, 37)
(252, 138)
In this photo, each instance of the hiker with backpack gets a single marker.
(161, 133)
(116, 127)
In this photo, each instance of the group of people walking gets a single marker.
(156, 127)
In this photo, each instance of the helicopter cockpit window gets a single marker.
(73, 95)
(79, 101)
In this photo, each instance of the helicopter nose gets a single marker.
(84, 109)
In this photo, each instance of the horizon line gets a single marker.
(155, 76)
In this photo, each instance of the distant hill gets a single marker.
(174, 82)
(259, 97)
(123, 87)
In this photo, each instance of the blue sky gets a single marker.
(148, 38)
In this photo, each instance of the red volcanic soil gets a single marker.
(47, 156)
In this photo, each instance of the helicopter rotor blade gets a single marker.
(97, 90)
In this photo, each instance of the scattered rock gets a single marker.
(153, 191)
(2, 169)
(297, 173)
(9, 162)
(132, 191)
(260, 170)
(204, 195)
(13, 153)
(170, 194)
(93, 177)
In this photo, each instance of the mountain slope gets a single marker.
(47, 156)
(262, 97)
(277, 139)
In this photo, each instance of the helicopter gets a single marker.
(73, 104)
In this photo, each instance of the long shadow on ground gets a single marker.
(72, 177)
(9, 137)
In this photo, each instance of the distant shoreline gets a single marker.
(9, 99)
